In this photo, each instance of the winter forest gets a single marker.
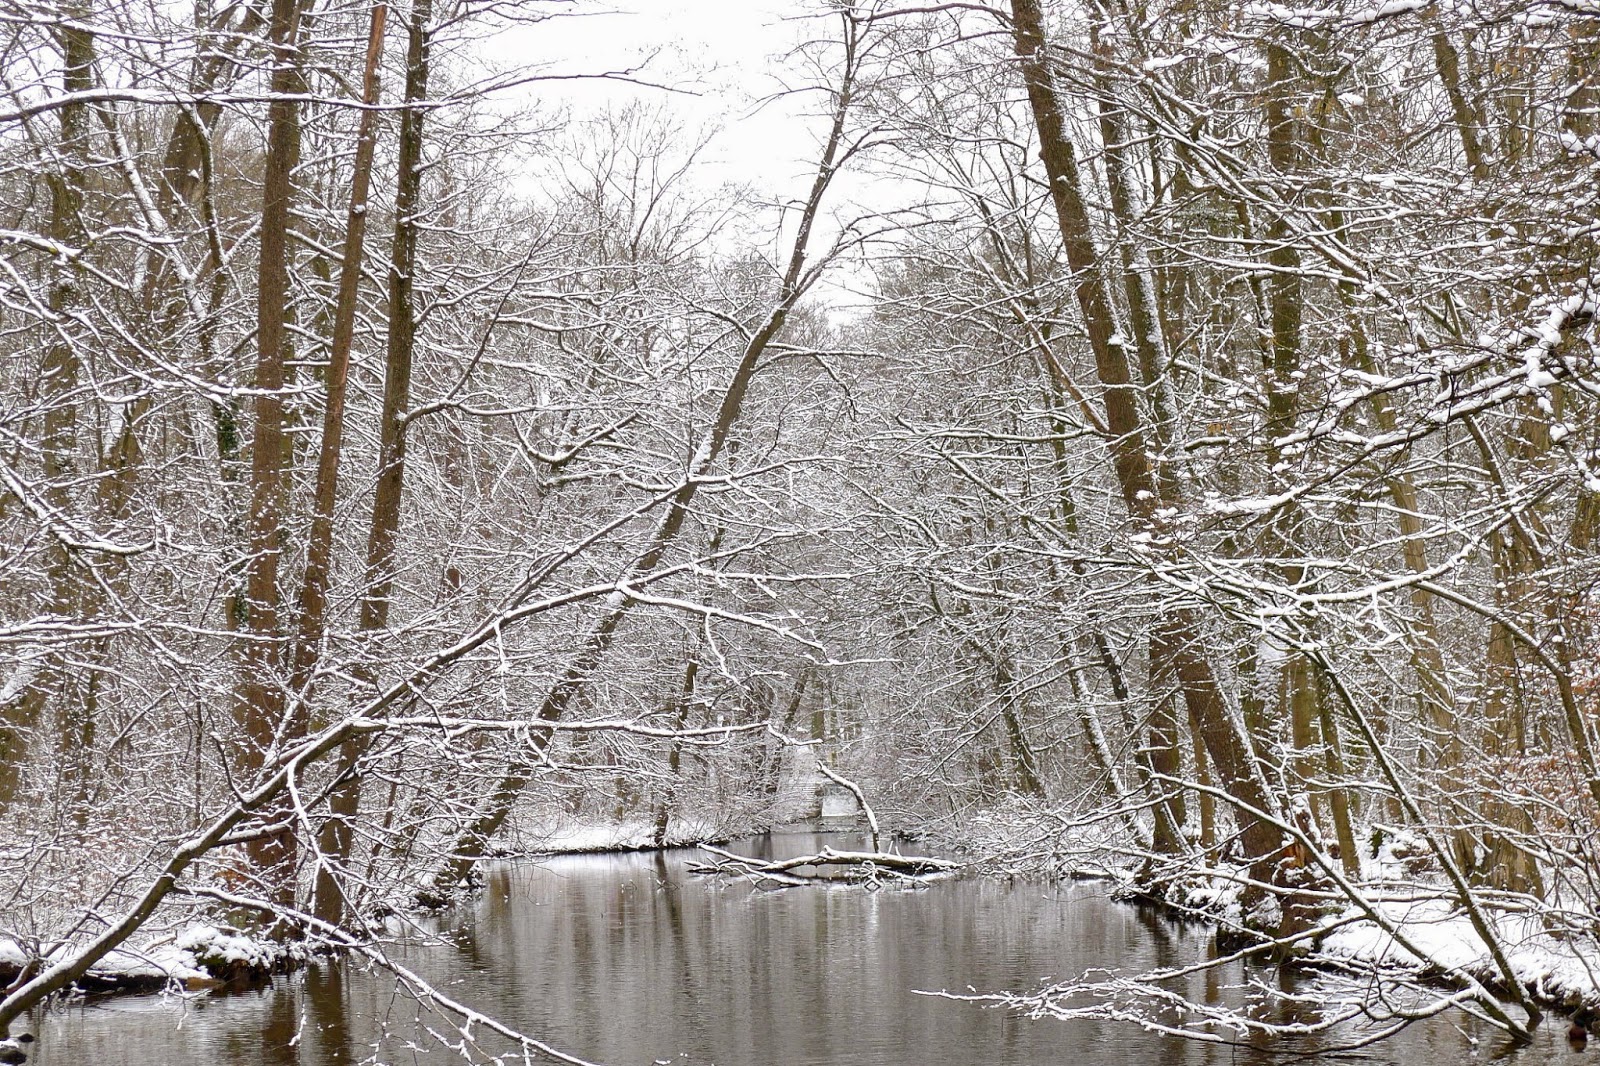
(1148, 440)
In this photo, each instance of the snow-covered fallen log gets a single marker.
(826, 865)
(198, 956)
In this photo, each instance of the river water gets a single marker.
(629, 960)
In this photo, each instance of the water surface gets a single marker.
(632, 961)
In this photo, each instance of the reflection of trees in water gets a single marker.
(278, 1044)
(328, 1007)
(465, 939)
(1283, 1002)
(306, 1020)
(1163, 938)
(667, 921)
(629, 959)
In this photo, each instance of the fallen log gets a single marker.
(867, 867)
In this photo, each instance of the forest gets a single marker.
(1149, 439)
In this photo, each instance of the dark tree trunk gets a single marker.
(260, 704)
(383, 535)
(1178, 632)
(60, 374)
(334, 838)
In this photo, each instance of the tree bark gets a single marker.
(336, 837)
(1468, 121)
(682, 701)
(260, 703)
(71, 590)
(1178, 632)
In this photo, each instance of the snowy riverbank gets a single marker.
(202, 954)
(197, 957)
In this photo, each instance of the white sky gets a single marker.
(734, 59)
(728, 53)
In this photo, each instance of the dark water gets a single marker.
(631, 960)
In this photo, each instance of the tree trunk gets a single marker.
(1178, 632)
(1137, 279)
(260, 701)
(1468, 121)
(71, 590)
(682, 703)
(336, 838)
(1286, 300)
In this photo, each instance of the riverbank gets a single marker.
(197, 957)
(202, 955)
(1409, 923)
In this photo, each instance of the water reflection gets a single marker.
(630, 960)
(328, 1014)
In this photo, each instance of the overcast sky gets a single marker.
(732, 61)
(727, 56)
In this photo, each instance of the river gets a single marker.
(630, 960)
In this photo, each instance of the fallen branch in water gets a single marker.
(868, 867)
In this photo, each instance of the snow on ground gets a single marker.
(1557, 963)
(577, 835)
(197, 956)
(1556, 968)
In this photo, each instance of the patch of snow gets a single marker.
(181, 958)
(1554, 968)
(1150, 66)
(577, 836)
(207, 943)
